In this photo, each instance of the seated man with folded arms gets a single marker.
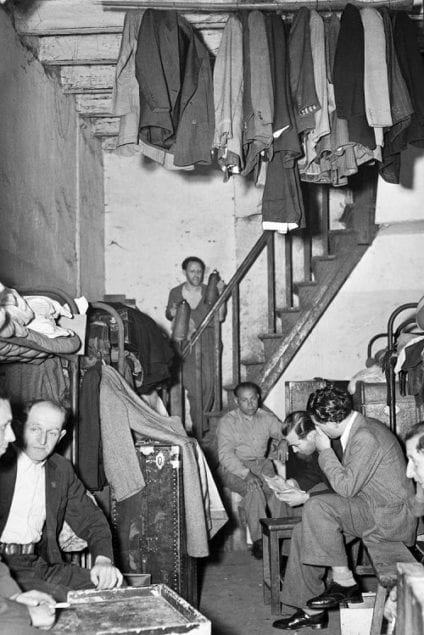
(370, 500)
(39, 491)
(19, 610)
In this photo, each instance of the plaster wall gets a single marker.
(39, 178)
(155, 218)
(389, 274)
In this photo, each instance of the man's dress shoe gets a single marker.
(301, 619)
(335, 594)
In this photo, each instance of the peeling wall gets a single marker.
(39, 178)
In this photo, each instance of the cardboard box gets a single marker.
(356, 619)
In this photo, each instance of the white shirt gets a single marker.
(345, 436)
(28, 509)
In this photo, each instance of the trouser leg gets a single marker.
(318, 542)
(301, 582)
(32, 572)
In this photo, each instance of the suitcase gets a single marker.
(371, 400)
(149, 527)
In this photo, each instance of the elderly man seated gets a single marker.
(39, 491)
(18, 611)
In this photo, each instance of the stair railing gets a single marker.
(202, 411)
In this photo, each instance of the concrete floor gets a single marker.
(232, 597)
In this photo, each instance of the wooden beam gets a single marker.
(68, 17)
(104, 126)
(87, 78)
(277, 5)
(46, 17)
(94, 104)
(61, 50)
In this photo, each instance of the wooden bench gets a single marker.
(274, 530)
(410, 599)
(383, 564)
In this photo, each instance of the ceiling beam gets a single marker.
(94, 104)
(46, 17)
(104, 126)
(60, 50)
(237, 5)
(87, 78)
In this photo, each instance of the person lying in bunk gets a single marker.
(19, 612)
(39, 491)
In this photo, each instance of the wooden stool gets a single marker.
(274, 530)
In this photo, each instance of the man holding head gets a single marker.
(39, 491)
(371, 500)
(19, 610)
(243, 437)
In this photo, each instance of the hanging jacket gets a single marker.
(176, 96)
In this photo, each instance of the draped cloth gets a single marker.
(122, 411)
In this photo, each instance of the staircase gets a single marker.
(329, 257)
(78, 41)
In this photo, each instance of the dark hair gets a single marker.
(330, 404)
(417, 430)
(300, 422)
(4, 395)
(249, 385)
(186, 262)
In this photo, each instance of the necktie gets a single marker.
(336, 444)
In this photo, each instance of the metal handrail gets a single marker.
(250, 259)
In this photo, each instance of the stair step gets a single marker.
(341, 238)
(252, 368)
(306, 292)
(322, 266)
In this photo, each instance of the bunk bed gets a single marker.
(394, 402)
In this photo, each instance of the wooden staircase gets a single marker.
(292, 318)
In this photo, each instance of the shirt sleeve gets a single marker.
(227, 449)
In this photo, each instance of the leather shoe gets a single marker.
(257, 549)
(335, 594)
(301, 619)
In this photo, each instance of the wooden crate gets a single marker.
(371, 401)
(144, 610)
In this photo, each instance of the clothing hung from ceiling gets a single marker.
(308, 102)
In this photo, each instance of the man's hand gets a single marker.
(40, 606)
(104, 575)
(253, 482)
(34, 598)
(322, 441)
(42, 616)
(293, 497)
(282, 451)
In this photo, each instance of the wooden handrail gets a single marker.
(227, 292)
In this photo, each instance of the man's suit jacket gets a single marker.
(373, 470)
(66, 500)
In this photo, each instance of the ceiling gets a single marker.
(79, 40)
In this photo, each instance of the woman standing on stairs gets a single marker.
(193, 291)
